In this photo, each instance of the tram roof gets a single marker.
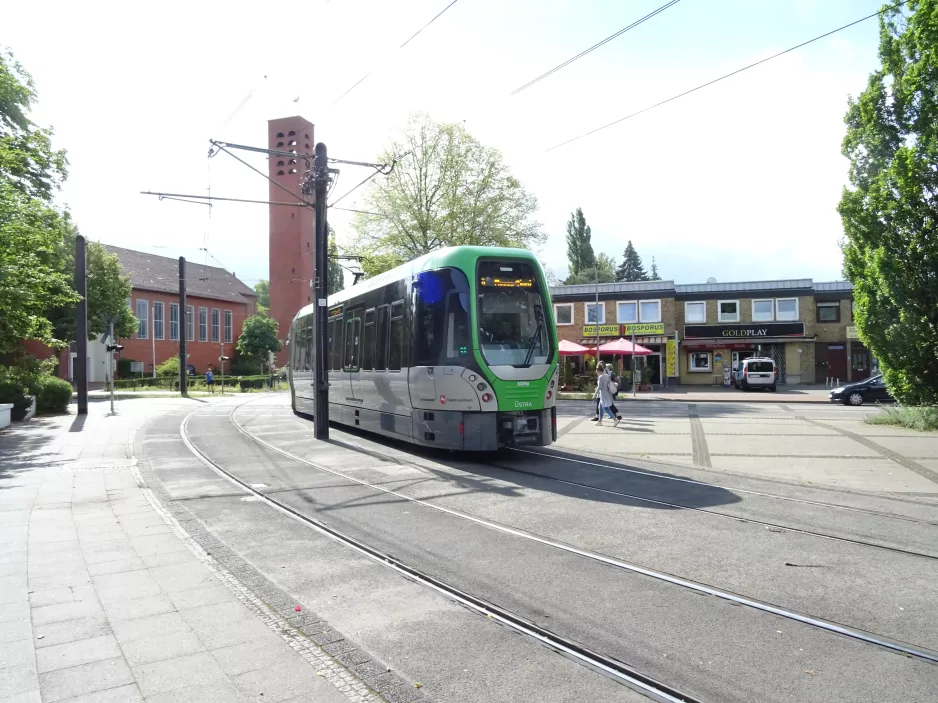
(459, 257)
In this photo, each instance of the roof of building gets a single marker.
(161, 273)
(699, 289)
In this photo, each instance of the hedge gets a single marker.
(53, 395)
(13, 392)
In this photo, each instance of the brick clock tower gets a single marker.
(291, 228)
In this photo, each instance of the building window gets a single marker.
(728, 311)
(695, 313)
(190, 322)
(563, 314)
(174, 322)
(786, 309)
(216, 325)
(595, 313)
(627, 312)
(143, 318)
(649, 310)
(203, 324)
(158, 320)
(828, 312)
(228, 326)
(698, 361)
(763, 310)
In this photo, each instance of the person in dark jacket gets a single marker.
(608, 371)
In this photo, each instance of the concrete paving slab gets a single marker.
(84, 679)
(18, 679)
(150, 626)
(240, 658)
(182, 577)
(69, 631)
(73, 610)
(282, 681)
(115, 567)
(204, 595)
(177, 673)
(122, 694)
(160, 647)
(17, 610)
(61, 594)
(924, 446)
(63, 656)
(218, 692)
(168, 558)
(16, 653)
(15, 630)
(138, 608)
(29, 697)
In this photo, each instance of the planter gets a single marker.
(5, 409)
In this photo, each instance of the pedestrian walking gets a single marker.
(210, 380)
(605, 387)
(607, 368)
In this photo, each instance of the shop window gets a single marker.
(698, 361)
(763, 311)
(649, 310)
(563, 314)
(828, 312)
(627, 312)
(595, 313)
(728, 311)
(786, 309)
(695, 313)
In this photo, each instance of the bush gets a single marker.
(923, 418)
(13, 392)
(246, 383)
(170, 367)
(53, 395)
(242, 365)
(123, 367)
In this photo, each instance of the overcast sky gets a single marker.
(739, 181)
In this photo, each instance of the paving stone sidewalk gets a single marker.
(103, 598)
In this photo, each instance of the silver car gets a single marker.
(757, 372)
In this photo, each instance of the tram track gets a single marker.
(605, 665)
(700, 588)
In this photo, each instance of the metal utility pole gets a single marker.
(633, 364)
(597, 317)
(81, 326)
(183, 330)
(320, 294)
(110, 361)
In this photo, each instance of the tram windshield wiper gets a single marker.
(536, 339)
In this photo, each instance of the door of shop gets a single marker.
(776, 352)
(835, 361)
(860, 362)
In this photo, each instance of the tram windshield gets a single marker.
(512, 324)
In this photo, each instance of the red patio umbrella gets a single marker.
(572, 348)
(622, 347)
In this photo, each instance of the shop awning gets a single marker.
(568, 348)
(623, 346)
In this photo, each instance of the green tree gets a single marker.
(890, 210)
(580, 255)
(631, 268)
(336, 278)
(653, 274)
(108, 292)
(258, 336)
(604, 271)
(262, 288)
(450, 190)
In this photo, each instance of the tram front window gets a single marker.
(512, 325)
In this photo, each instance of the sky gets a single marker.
(738, 181)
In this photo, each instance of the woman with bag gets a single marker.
(605, 387)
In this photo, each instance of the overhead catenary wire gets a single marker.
(257, 170)
(412, 37)
(723, 77)
(596, 46)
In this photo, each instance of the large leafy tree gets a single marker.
(603, 271)
(631, 268)
(450, 190)
(258, 336)
(580, 255)
(890, 210)
(336, 279)
(262, 288)
(32, 231)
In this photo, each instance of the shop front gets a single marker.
(709, 353)
(650, 367)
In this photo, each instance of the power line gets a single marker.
(384, 171)
(717, 80)
(362, 79)
(257, 170)
(596, 46)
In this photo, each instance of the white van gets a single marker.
(757, 372)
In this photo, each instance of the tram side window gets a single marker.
(308, 344)
(381, 339)
(396, 341)
(368, 341)
(336, 345)
(352, 343)
(330, 333)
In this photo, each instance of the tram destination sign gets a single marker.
(754, 330)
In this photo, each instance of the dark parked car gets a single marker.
(872, 390)
(191, 369)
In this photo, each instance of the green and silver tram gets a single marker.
(456, 349)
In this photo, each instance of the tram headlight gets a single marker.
(481, 386)
(486, 397)
(472, 378)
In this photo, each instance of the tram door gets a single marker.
(352, 362)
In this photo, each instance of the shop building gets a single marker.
(699, 332)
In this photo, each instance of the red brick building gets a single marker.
(291, 228)
(217, 305)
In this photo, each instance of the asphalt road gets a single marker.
(863, 559)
